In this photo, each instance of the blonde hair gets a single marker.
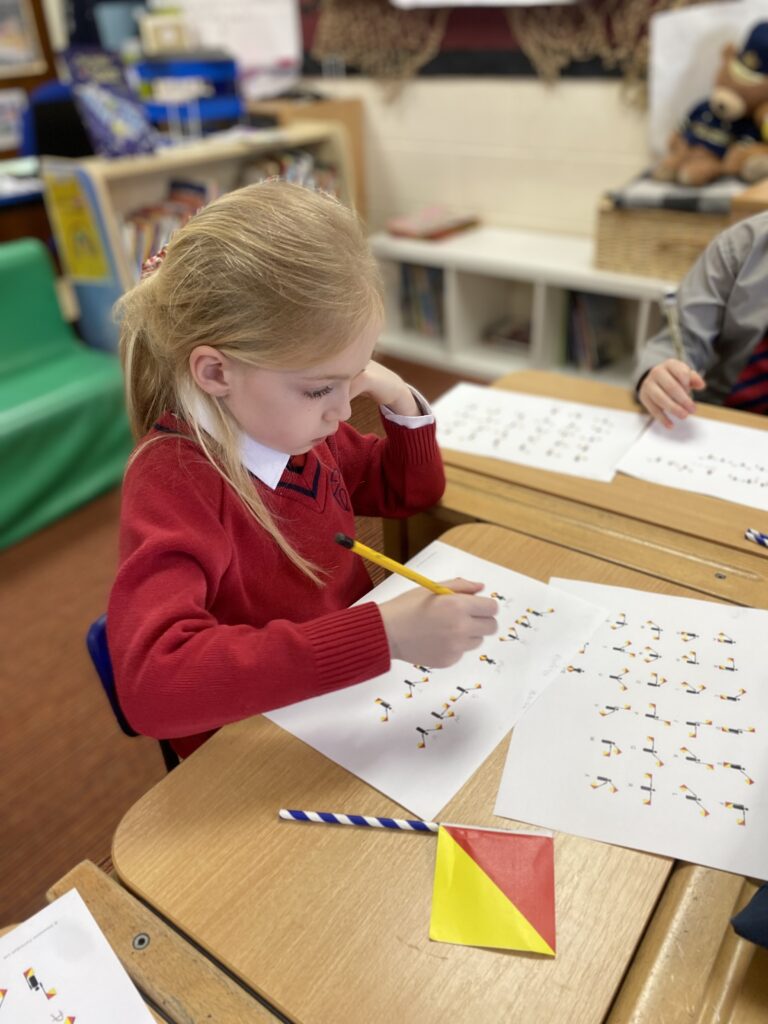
(274, 275)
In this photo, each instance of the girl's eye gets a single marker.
(320, 392)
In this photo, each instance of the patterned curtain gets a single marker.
(383, 41)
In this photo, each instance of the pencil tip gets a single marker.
(344, 540)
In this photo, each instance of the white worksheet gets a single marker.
(704, 456)
(655, 738)
(58, 966)
(417, 733)
(566, 437)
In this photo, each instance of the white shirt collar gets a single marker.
(265, 463)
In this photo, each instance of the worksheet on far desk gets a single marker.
(546, 433)
(655, 739)
(704, 456)
(418, 733)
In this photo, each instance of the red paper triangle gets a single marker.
(522, 866)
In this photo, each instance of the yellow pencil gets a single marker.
(389, 563)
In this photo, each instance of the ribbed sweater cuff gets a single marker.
(413, 446)
(350, 646)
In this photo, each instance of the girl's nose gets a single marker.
(341, 409)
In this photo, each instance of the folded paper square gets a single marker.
(495, 888)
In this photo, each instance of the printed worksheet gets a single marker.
(418, 733)
(704, 456)
(58, 966)
(654, 736)
(566, 437)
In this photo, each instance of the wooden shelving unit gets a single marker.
(87, 201)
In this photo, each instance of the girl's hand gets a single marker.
(386, 388)
(666, 391)
(436, 629)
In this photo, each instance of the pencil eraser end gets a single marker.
(344, 540)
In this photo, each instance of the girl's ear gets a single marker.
(211, 370)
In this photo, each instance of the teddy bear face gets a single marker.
(738, 89)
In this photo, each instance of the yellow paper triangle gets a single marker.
(470, 909)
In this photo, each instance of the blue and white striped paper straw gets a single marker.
(363, 820)
(757, 537)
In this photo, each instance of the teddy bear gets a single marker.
(727, 133)
(741, 90)
(697, 150)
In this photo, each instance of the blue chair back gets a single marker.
(96, 641)
(99, 652)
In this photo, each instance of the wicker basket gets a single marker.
(653, 243)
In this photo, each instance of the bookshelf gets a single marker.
(89, 200)
(524, 279)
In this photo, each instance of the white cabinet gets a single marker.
(489, 273)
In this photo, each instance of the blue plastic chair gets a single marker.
(96, 641)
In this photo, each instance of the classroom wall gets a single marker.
(518, 152)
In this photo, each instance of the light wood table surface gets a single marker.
(687, 538)
(330, 924)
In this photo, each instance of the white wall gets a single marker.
(516, 151)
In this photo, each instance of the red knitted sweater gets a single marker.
(209, 623)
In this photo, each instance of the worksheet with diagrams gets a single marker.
(704, 456)
(58, 966)
(417, 733)
(547, 433)
(654, 738)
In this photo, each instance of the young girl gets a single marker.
(242, 348)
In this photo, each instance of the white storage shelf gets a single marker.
(489, 272)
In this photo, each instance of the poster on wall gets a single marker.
(20, 50)
(264, 37)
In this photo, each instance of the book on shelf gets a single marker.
(113, 117)
(421, 299)
(508, 333)
(296, 165)
(148, 229)
(596, 335)
(431, 222)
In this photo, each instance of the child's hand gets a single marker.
(666, 391)
(386, 388)
(436, 629)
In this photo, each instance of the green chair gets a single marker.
(64, 435)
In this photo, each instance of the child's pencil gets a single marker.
(669, 306)
(389, 563)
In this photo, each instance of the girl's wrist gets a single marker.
(404, 404)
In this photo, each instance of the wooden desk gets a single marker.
(690, 539)
(329, 925)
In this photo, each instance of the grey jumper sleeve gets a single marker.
(723, 309)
